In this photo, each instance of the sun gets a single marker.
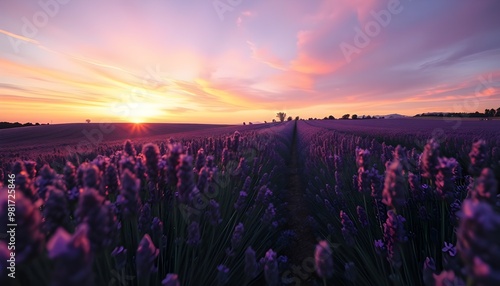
(142, 112)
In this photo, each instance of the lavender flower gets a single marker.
(394, 192)
(428, 271)
(269, 214)
(251, 265)
(193, 238)
(145, 218)
(91, 176)
(238, 232)
(129, 195)
(477, 242)
(271, 273)
(92, 210)
(69, 172)
(447, 278)
(379, 247)
(213, 213)
(111, 182)
(323, 259)
(200, 160)
(449, 248)
(129, 149)
(363, 218)
(25, 186)
(486, 187)
(55, 212)
(72, 257)
(362, 157)
(174, 155)
(350, 272)
(222, 274)
(185, 179)
(120, 256)
(171, 280)
(47, 177)
(349, 231)
(236, 141)
(478, 157)
(29, 238)
(241, 201)
(145, 257)
(445, 181)
(429, 159)
(394, 234)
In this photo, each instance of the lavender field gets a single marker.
(385, 202)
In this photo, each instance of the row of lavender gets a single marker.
(392, 216)
(194, 212)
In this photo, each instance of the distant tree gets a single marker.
(289, 118)
(37, 124)
(497, 114)
(274, 120)
(354, 116)
(250, 123)
(492, 112)
(87, 120)
(368, 117)
(325, 118)
(265, 122)
(346, 116)
(363, 117)
(331, 117)
(244, 123)
(281, 116)
(297, 117)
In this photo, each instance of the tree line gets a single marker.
(5, 125)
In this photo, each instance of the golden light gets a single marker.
(142, 112)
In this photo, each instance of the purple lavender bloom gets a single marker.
(47, 177)
(213, 213)
(478, 158)
(428, 271)
(486, 187)
(415, 187)
(55, 212)
(152, 157)
(202, 184)
(156, 230)
(349, 231)
(271, 273)
(145, 257)
(394, 193)
(222, 275)
(92, 210)
(448, 278)
(363, 218)
(445, 181)
(171, 280)
(120, 256)
(236, 141)
(225, 156)
(362, 158)
(477, 242)
(380, 247)
(323, 259)
(377, 184)
(200, 160)
(29, 238)
(25, 186)
(429, 159)
(269, 214)
(364, 181)
(193, 238)
(91, 176)
(72, 257)
(350, 272)
(394, 235)
(251, 265)
(111, 182)
(129, 195)
(145, 218)
(238, 232)
(174, 154)
(185, 179)
(129, 149)
(241, 201)
(454, 209)
(449, 248)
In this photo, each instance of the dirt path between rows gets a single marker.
(301, 252)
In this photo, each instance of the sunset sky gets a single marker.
(231, 61)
